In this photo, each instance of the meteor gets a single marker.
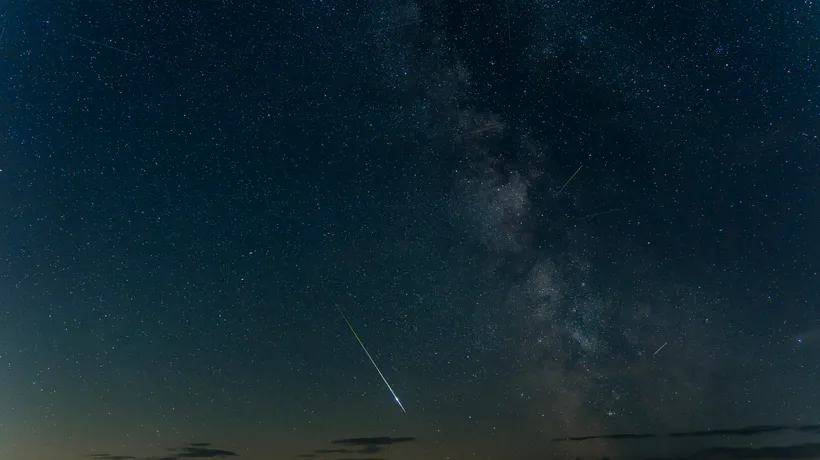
(659, 349)
(371, 359)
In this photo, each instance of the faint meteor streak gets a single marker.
(371, 359)
(385, 29)
(659, 349)
(596, 214)
(478, 131)
(569, 180)
(104, 44)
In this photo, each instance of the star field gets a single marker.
(562, 229)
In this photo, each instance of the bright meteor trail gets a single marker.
(371, 359)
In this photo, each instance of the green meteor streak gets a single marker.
(371, 358)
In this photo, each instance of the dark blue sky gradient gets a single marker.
(189, 190)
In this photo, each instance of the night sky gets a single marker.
(561, 228)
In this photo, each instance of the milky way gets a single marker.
(563, 228)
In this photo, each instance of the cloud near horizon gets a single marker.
(753, 430)
(378, 441)
(364, 446)
(191, 450)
